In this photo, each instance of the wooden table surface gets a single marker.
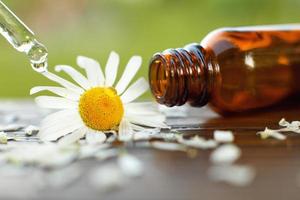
(174, 175)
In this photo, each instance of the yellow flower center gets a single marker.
(101, 108)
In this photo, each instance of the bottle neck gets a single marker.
(181, 75)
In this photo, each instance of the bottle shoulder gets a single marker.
(251, 38)
(218, 41)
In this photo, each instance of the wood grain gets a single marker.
(174, 175)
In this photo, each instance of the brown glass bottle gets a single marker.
(232, 69)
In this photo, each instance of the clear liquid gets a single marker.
(22, 38)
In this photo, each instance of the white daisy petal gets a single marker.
(73, 137)
(60, 130)
(125, 131)
(75, 75)
(135, 90)
(131, 69)
(63, 92)
(63, 82)
(141, 108)
(140, 128)
(59, 115)
(157, 121)
(55, 102)
(144, 105)
(93, 70)
(55, 125)
(111, 68)
(95, 137)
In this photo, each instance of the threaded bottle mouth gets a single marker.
(164, 79)
(159, 76)
(178, 75)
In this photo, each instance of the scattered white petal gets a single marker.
(294, 126)
(130, 165)
(106, 154)
(197, 142)
(3, 138)
(168, 146)
(166, 136)
(235, 175)
(145, 134)
(44, 155)
(135, 90)
(107, 178)
(111, 69)
(60, 160)
(283, 122)
(95, 137)
(223, 136)
(131, 69)
(93, 70)
(225, 154)
(31, 130)
(271, 133)
(61, 178)
(88, 151)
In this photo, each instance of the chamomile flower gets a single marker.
(95, 104)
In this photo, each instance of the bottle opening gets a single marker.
(158, 76)
(178, 76)
(168, 78)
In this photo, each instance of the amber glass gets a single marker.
(232, 69)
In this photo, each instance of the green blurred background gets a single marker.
(95, 27)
